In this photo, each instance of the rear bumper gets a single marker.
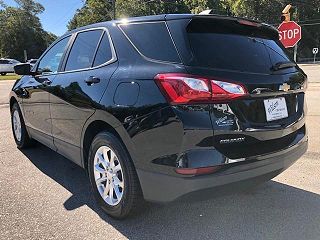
(163, 188)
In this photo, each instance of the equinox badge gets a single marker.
(232, 140)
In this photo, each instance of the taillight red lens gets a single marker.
(184, 88)
(197, 171)
(249, 23)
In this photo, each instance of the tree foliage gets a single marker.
(20, 29)
(101, 10)
(93, 11)
(303, 11)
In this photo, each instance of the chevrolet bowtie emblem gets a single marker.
(284, 87)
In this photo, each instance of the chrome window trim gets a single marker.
(74, 37)
(144, 56)
(113, 51)
(36, 66)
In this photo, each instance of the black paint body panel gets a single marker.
(158, 136)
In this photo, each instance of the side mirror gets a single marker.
(22, 69)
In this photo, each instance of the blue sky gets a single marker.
(57, 13)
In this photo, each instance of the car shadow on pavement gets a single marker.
(273, 211)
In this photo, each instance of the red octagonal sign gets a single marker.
(289, 33)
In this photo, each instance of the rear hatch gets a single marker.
(270, 116)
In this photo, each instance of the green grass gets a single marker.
(9, 77)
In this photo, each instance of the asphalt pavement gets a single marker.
(45, 196)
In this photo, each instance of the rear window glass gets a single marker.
(277, 53)
(232, 52)
(233, 47)
(152, 40)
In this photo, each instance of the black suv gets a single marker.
(165, 107)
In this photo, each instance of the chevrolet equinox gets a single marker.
(165, 107)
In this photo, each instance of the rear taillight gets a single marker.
(184, 88)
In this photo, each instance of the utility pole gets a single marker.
(113, 3)
(114, 9)
(295, 52)
(25, 54)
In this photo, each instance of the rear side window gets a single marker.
(104, 53)
(152, 40)
(83, 50)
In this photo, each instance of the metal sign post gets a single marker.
(315, 52)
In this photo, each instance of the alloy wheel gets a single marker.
(17, 125)
(108, 175)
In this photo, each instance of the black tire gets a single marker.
(3, 74)
(132, 196)
(25, 141)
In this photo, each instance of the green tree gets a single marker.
(20, 29)
(30, 6)
(93, 11)
(304, 12)
(264, 10)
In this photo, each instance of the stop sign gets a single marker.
(289, 33)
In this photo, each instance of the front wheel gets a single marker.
(3, 74)
(113, 177)
(19, 130)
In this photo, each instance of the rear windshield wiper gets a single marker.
(283, 65)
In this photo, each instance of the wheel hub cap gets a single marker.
(16, 125)
(108, 175)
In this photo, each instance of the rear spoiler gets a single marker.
(255, 26)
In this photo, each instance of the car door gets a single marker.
(4, 66)
(35, 101)
(76, 92)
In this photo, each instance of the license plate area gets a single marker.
(275, 108)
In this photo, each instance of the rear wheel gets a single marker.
(19, 130)
(3, 74)
(113, 177)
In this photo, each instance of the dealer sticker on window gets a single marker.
(276, 108)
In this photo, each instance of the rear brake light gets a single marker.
(183, 88)
(249, 23)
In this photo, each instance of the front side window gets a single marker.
(51, 60)
(83, 50)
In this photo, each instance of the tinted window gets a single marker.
(104, 53)
(4, 62)
(51, 60)
(277, 53)
(83, 50)
(152, 40)
(232, 52)
(223, 44)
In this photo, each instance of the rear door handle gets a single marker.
(92, 80)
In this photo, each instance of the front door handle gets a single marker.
(92, 80)
(46, 82)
